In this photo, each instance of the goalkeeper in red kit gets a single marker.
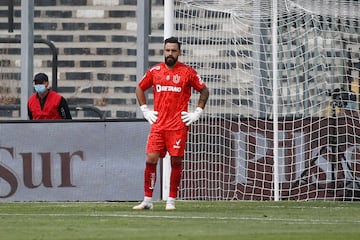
(172, 82)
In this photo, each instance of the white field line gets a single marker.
(264, 219)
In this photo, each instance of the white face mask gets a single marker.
(40, 88)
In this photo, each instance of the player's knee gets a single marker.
(176, 162)
(152, 158)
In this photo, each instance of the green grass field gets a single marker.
(192, 220)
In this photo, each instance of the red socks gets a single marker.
(175, 178)
(149, 179)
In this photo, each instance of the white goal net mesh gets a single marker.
(230, 154)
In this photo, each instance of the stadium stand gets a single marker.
(96, 42)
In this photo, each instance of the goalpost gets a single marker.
(282, 121)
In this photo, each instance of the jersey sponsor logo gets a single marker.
(160, 88)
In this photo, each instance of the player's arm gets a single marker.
(140, 95)
(204, 96)
(149, 115)
(189, 118)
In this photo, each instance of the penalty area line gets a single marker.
(225, 218)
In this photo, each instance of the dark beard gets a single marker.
(170, 61)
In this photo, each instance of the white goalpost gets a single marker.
(274, 45)
(282, 121)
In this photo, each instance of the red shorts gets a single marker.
(161, 142)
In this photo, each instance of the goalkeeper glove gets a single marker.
(189, 118)
(149, 115)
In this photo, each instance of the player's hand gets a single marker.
(149, 115)
(189, 118)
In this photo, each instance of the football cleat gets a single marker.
(170, 206)
(144, 206)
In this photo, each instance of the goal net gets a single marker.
(280, 126)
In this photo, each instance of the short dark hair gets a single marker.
(40, 78)
(173, 40)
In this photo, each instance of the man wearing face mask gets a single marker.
(46, 104)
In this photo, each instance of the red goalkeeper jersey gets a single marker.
(172, 90)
